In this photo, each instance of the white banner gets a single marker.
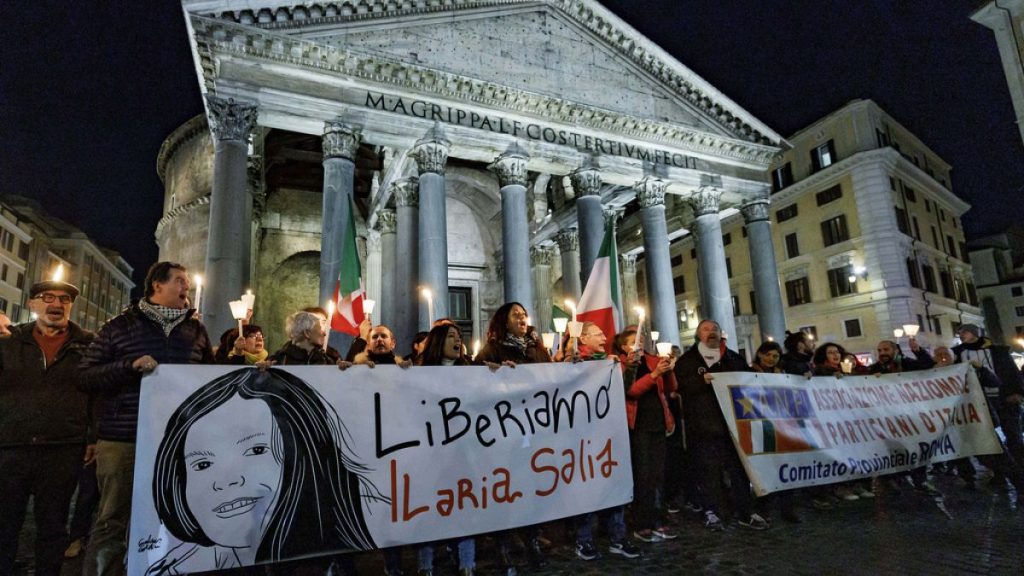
(792, 432)
(234, 467)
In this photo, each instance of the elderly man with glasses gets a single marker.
(43, 424)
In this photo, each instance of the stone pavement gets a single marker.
(896, 533)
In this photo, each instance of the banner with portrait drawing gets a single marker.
(235, 467)
(792, 432)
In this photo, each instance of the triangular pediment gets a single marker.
(571, 50)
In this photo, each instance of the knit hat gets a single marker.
(972, 328)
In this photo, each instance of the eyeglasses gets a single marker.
(49, 298)
(255, 335)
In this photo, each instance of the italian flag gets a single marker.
(600, 302)
(349, 291)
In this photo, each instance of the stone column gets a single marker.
(374, 269)
(405, 322)
(630, 296)
(586, 182)
(662, 299)
(227, 252)
(540, 258)
(569, 245)
(715, 297)
(387, 222)
(340, 143)
(431, 154)
(770, 314)
(515, 229)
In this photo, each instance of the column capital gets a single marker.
(650, 191)
(568, 240)
(387, 221)
(586, 181)
(340, 140)
(612, 216)
(541, 256)
(756, 209)
(704, 200)
(407, 192)
(629, 263)
(510, 168)
(230, 120)
(431, 153)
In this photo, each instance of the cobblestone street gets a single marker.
(896, 533)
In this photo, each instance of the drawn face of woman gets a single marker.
(453, 344)
(232, 479)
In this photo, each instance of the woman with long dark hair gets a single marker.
(510, 338)
(282, 484)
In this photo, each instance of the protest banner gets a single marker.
(792, 432)
(235, 467)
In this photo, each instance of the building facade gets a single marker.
(482, 147)
(15, 240)
(998, 262)
(102, 275)
(867, 234)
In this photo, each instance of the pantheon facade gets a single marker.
(483, 146)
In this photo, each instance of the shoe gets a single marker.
(929, 489)
(821, 504)
(664, 533)
(586, 551)
(691, 507)
(755, 522)
(845, 493)
(672, 508)
(645, 536)
(536, 555)
(863, 492)
(74, 549)
(624, 549)
(712, 521)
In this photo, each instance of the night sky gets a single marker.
(89, 91)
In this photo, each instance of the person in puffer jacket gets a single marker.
(159, 329)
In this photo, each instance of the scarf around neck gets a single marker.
(165, 316)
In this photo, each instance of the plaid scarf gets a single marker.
(166, 317)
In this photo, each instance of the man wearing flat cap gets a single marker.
(158, 329)
(44, 420)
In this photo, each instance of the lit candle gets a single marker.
(368, 306)
(638, 342)
(250, 299)
(429, 297)
(572, 308)
(58, 274)
(238, 311)
(199, 291)
(476, 348)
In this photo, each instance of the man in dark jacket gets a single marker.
(999, 378)
(43, 424)
(160, 328)
(707, 433)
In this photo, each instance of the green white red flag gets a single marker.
(600, 302)
(349, 291)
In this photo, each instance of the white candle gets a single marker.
(199, 291)
(330, 317)
(572, 308)
(476, 348)
(430, 305)
(250, 299)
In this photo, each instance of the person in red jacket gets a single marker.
(649, 381)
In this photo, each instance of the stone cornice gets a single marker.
(589, 15)
(221, 36)
(196, 126)
(181, 210)
(891, 159)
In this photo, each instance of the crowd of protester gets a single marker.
(69, 413)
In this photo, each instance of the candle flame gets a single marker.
(58, 274)
(198, 280)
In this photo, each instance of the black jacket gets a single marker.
(796, 363)
(292, 355)
(701, 414)
(107, 366)
(922, 361)
(995, 361)
(40, 403)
